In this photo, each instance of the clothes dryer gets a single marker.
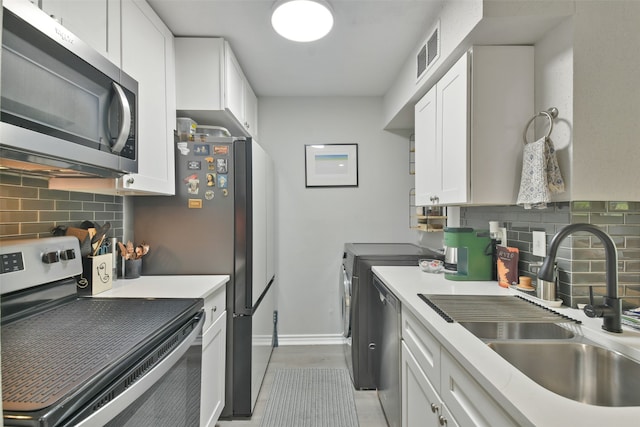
(357, 292)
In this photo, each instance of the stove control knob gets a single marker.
(67, 254)
(50, 257)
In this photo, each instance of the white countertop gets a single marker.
(521, 396)
(166, 287)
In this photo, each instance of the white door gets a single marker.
(263, 217)
(452, 113)
(428, 154)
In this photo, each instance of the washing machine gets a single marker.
(357, 293)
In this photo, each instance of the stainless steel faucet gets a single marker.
(611, 309)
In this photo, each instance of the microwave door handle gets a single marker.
(125, 119)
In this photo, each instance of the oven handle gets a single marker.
(111, 410)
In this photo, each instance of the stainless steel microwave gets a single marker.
(65, 109)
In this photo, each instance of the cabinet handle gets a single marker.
(214, 309)
(435, 408)
(130, 180)
(442, 420)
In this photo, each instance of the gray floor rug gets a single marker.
(311, 397)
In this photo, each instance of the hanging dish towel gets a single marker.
(541, 175)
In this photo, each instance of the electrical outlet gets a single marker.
(539, 243)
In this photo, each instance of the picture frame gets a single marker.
(331, 165)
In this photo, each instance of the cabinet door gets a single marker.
(95, 22)
(423, 345)
(270, 218)
(234, 86)
(262, 217)
(421, 405)
(199, 86)
(471, 404)
(147, 55)
(452, 125)
(213, 372)
(428, 154)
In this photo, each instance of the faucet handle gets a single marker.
(592, 310)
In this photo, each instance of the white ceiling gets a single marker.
(370, 42)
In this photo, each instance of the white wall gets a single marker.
(312, 224)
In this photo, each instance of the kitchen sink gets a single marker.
(580, 371)
(517, 330)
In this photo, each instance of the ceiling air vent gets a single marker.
(429, 52)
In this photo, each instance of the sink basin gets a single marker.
(517, 330)
(580, 371)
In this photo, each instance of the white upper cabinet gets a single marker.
(148, 56)
(96, 22)
(211, 88)
(441, 140)
(468, 129)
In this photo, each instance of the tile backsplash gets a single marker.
(29, 209)
(581, 260)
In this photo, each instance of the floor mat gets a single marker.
(311, 397)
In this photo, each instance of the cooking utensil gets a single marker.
(84, 237)
(101, 232)
(123, 250)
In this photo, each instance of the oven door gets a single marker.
(167, 395)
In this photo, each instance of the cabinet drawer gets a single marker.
(214, 307)
(471, 404)
(423, 345)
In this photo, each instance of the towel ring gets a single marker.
(550, 114)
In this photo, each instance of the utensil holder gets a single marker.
(132, 268)
(546, 290)
(96, 274)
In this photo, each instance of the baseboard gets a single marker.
(319, 339)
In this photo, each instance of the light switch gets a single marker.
(539, 243)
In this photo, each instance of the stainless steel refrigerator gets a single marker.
(220, 221)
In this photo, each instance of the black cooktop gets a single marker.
(72, 348)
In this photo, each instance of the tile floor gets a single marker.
(321, 356)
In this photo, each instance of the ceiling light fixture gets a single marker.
(302, 20)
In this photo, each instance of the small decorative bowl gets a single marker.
(431, 265)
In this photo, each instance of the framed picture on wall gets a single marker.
(331, 165)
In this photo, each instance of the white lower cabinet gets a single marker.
(436, 389)
(467, 399)
(421, 404)
(213, 370)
